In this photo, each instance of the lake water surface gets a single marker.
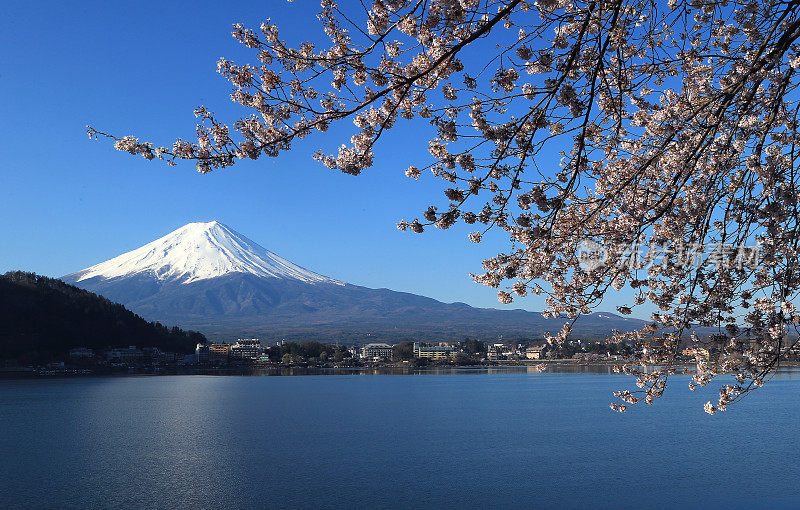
(506, 439)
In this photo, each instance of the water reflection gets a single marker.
(565, 368)
(538, 440)
(496, 370)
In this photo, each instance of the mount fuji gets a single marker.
(199, 251)
(208, 277)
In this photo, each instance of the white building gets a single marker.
(201, 353)
(434, 352)
(376, 351)
(536, 351)
(246, 348)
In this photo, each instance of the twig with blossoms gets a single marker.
(676, 123)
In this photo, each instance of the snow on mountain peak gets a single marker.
(199, 251)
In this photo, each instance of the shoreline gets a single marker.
(552, 366)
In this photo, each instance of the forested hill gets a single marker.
(43, 317)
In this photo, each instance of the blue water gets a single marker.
(505, 439)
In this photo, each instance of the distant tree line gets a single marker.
(306, 350)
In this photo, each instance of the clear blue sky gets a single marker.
(141, 68)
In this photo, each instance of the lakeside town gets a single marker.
(250, 354)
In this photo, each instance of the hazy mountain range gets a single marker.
(206, 276)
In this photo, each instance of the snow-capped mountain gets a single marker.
(208, 277)
(199, 251)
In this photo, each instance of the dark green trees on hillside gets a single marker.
(43, 318)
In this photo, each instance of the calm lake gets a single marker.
(471, 439)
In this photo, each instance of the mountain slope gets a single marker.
(41, 318)
(208, 277)
(199, 251)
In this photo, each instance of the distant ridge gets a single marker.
(207, 276)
